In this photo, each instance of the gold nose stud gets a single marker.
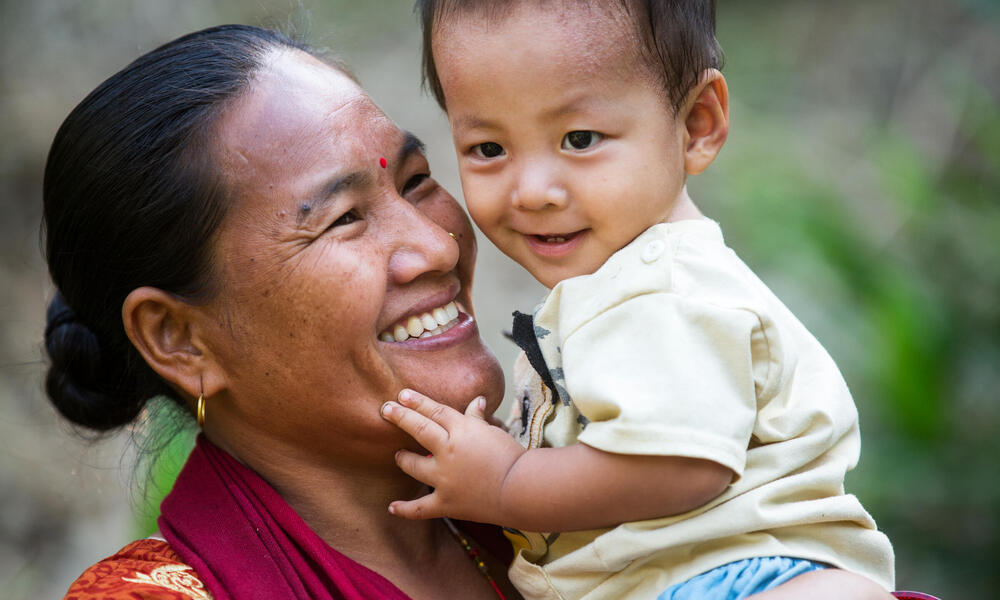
(453, 236)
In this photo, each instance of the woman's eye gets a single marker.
(345, 219)
(580, 140)
(488, 150)
(412, 183)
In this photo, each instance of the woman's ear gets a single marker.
(165, 330)
(706, 121)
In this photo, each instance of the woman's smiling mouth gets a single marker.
(424, 325)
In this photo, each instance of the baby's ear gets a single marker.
(706, 119)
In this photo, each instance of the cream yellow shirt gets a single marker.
(674, 347)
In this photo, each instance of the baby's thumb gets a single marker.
(477, 408)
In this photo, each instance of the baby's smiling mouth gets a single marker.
(555, 238)
(424, 325)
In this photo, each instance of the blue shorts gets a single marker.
(740, 579)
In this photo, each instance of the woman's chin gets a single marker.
(463, 379)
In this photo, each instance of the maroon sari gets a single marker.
(245, 541)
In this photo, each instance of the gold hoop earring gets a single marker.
(453, 236)
(201, 411)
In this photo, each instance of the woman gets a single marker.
(255, 245)
(232, 223)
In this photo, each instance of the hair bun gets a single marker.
(77, 381)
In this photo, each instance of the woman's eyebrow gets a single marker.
(411, 145)
(325, 192)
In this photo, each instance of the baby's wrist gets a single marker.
(509, 501)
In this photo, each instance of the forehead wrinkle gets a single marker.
(282, 111)
(306, 144)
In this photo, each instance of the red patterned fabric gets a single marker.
(904, 595)
(143, 570)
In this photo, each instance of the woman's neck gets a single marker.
(351, 515)
(347, 505)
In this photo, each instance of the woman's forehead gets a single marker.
(296, 106)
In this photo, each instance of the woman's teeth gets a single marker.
(425, 325)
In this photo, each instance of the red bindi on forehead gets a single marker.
(382, 162)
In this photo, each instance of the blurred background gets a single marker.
(861, 180)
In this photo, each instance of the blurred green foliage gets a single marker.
(165, 440)
(888, 247)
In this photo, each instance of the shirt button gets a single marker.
(653, 251)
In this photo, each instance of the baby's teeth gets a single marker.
(451, 310)
(400, 333)
(387, 337)
(414, 327)
(428, 321)
(440, 316)
(426, 334)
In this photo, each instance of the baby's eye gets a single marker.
(580, 140)
(488, 150)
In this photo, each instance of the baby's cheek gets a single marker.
(485, 216)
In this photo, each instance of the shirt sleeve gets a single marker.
(661, 374)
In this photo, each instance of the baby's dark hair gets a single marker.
(132, 198)
(676, 38)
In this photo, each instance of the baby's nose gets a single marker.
(537, 189)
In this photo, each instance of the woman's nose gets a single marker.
(421, 246)
(538, 187)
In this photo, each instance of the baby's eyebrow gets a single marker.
(580, 103)
(472, 122)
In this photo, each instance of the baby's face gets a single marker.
(567, 147)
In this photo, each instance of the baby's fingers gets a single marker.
(477, 408)
(425, 507)
(443, 415)
(418, 467)
(428, 434)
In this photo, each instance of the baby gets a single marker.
(678, 426)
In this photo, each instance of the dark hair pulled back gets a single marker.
(131, 199)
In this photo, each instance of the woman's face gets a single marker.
(335, 236)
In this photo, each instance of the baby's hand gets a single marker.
(468, 464)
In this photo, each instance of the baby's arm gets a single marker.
(480, 473)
